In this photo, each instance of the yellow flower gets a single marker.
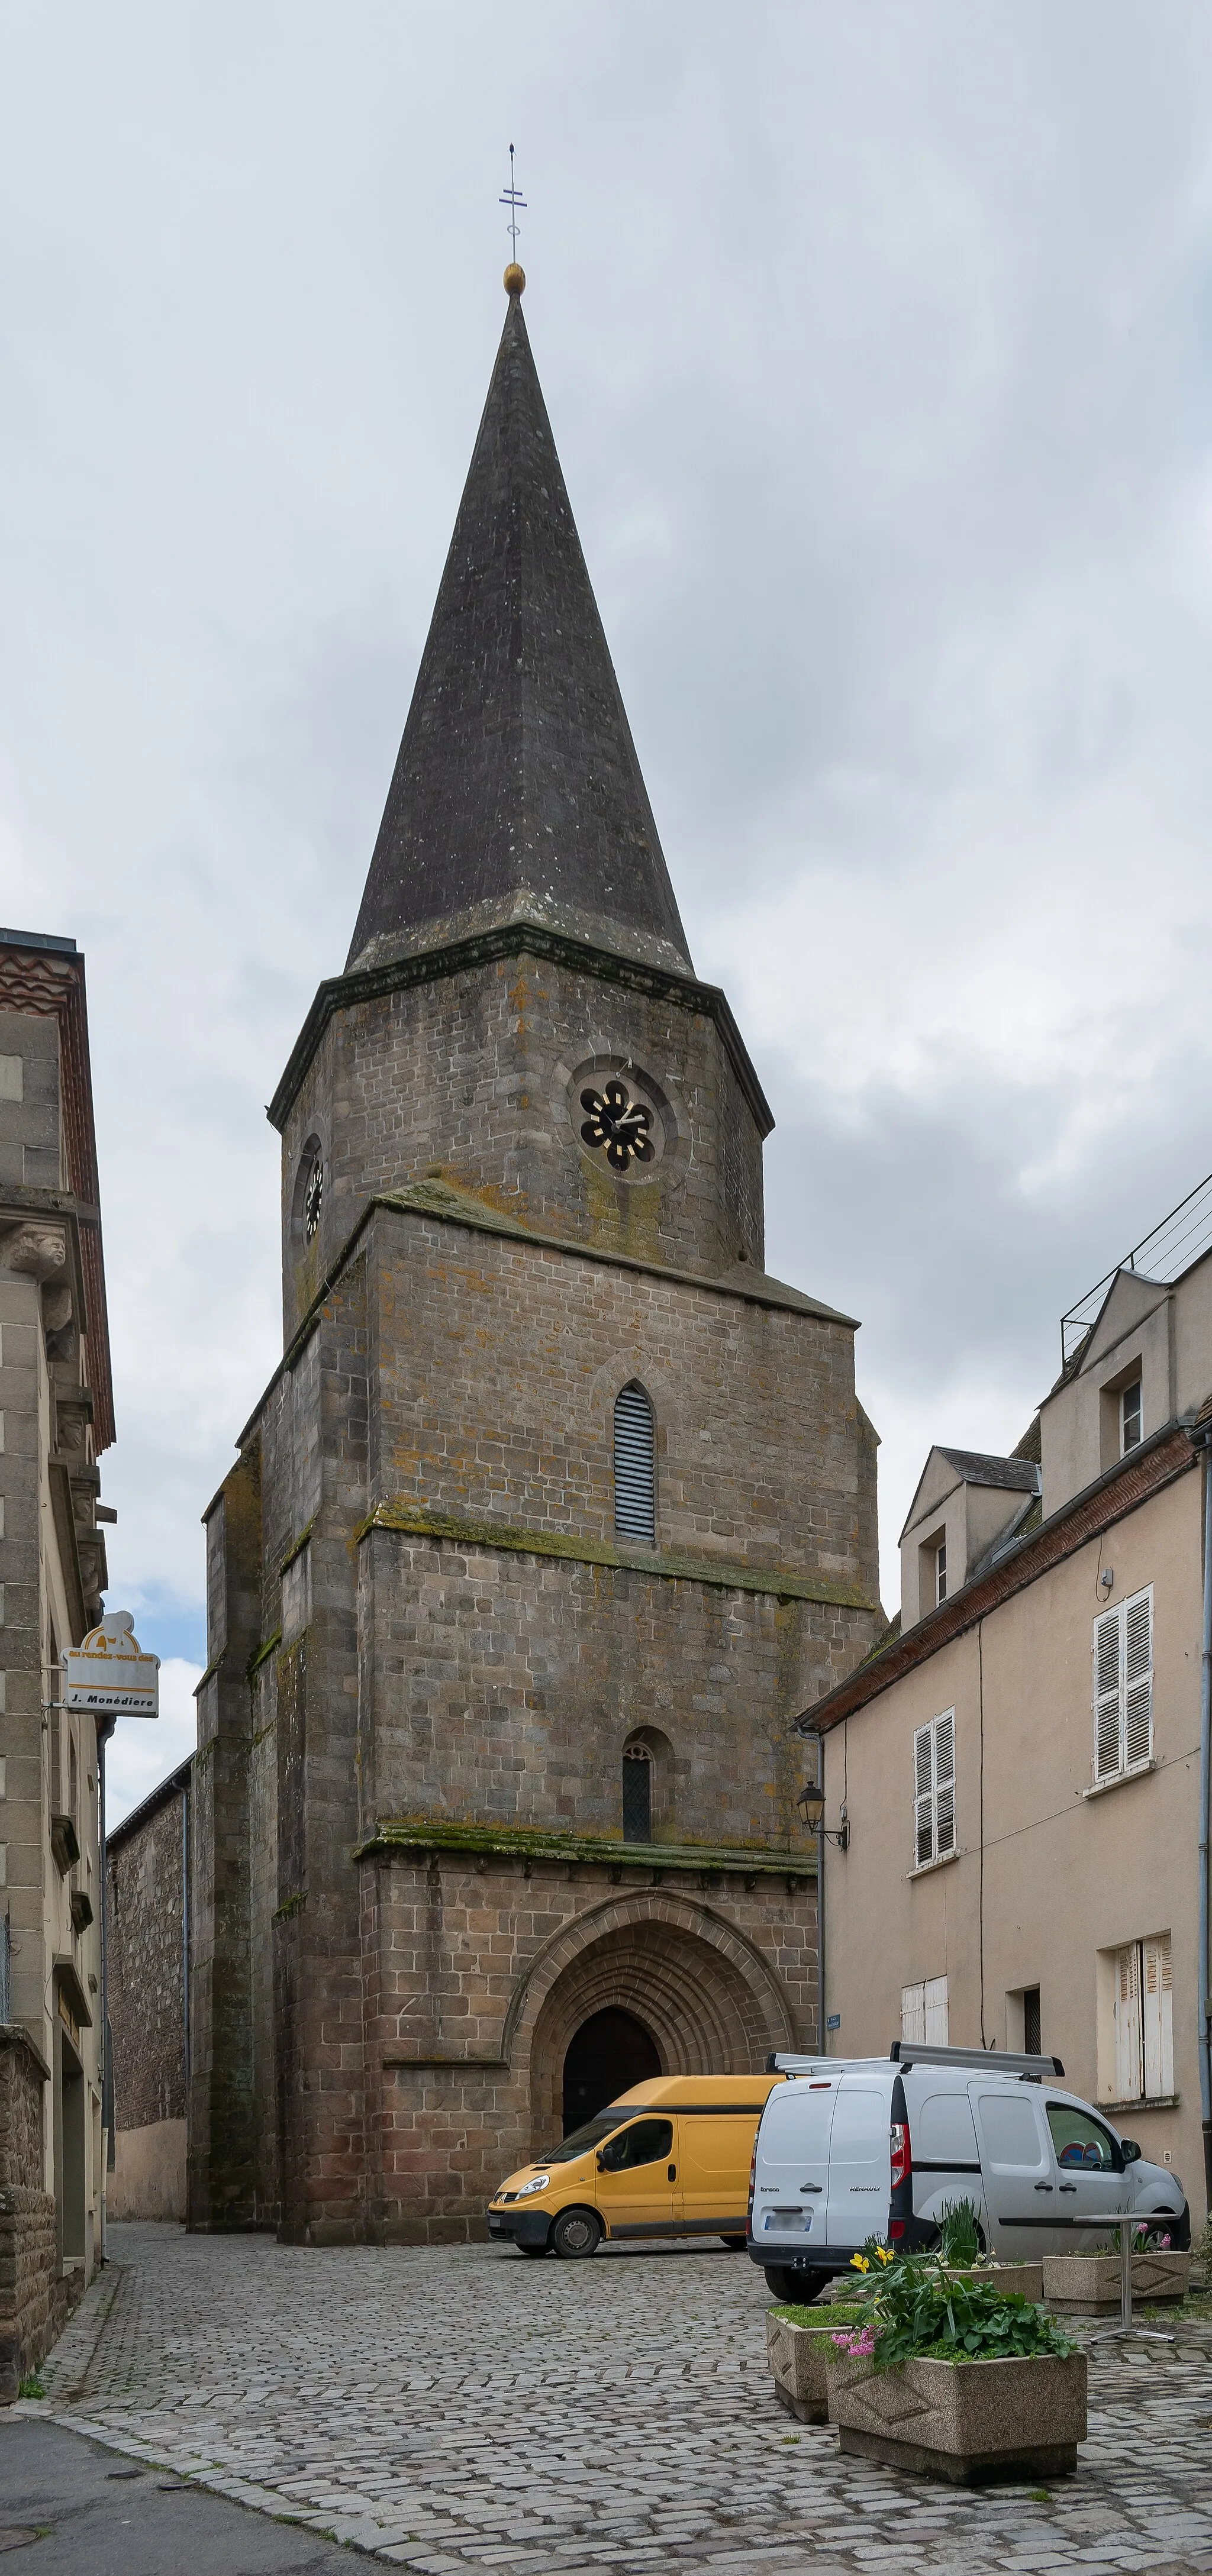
(859, 2263)
(884, 2253)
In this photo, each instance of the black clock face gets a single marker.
(313, 1198)
(617, 1125)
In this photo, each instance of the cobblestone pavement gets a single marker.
(462, 2409)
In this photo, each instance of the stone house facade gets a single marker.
(1024, 1760)
(56, 1419)
(557, 1507)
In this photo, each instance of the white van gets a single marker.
(852, 2147)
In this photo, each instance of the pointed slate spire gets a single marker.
(517, 794)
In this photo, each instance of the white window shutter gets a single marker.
(934, 1995)
(1157, 2015)
(913, 2014)
(923, 1803)
(1108, 1696)
(944, 1785)
(1127, 2024)
(1138, 1680)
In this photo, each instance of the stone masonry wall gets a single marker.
(33, 2303)
(495, 1366)
(472, 1073)
(505, 1686)
(145, 1896)
(480, 1970)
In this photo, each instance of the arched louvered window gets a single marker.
(634, 1466)
(637, 1794)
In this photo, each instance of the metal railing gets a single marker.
(1162, 1255)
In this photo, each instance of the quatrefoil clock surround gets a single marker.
(617, 1124)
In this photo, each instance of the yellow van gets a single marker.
(669, 2158)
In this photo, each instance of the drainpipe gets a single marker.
(1204, 1999)
(185, 1931)
(105, 1729)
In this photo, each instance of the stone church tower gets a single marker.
(557, 1510)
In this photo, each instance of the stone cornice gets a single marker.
(1158, 1462)
(512, 939)
(522, 1842)
(437, 1200)
(416, 1520)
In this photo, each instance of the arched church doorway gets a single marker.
(605, 2057)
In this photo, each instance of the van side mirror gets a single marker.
(600, 2161)
(1130, 2151)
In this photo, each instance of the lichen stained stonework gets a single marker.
(417, 1897)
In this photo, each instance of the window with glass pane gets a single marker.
(1082, 2144)
(1129, 1419)
(637, 1794)
(647, 2142)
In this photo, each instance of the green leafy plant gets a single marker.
(959, 2235)
(31, 2387)
(913, 2310)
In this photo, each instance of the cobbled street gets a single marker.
(463, 2409)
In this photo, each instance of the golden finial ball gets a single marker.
(515, 278)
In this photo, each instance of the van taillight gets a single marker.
(902, 2152)
(752, 2175)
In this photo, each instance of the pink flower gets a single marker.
(859, 2344)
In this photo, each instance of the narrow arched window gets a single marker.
(637, 1794)
(634, 1466)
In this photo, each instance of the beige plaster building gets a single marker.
(1015, 1771)
(56, 1417)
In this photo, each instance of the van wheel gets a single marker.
(794, 2289)
(577, 2232)
(735, 2244)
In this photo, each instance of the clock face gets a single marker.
(617, 1125)
(313, 1198)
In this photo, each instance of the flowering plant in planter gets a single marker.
(913, 2310)
(951, 2376)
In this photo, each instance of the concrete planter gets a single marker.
(797, 2355)
(1021, 2280)
(1088, 2285)
(963, 2421)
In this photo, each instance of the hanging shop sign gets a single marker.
(109, 1674)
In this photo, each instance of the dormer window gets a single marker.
(1129, 1418)
(940, 1571)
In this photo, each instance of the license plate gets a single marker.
(788, 2222)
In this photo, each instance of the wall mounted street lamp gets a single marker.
(811, 1804)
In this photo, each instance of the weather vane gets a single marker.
(513, 199)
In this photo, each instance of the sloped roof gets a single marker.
(517, 792)
(977, 1467)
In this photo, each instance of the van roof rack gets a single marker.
(1000, 2061)
(782, 2062)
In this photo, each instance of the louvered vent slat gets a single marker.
(634, 1466)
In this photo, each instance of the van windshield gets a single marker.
(582, 2139)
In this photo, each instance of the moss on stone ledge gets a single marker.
(519, 1842)
(415, 1520)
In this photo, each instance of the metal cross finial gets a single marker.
(513, 200)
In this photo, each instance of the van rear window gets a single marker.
(582, 2139)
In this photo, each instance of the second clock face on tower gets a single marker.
(313, 1198)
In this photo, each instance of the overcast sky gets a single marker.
(877, 342)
